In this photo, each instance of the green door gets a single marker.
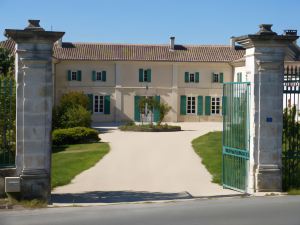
(235, 135)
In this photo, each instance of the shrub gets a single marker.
(74, 135)
(76, 116)
(72, 111)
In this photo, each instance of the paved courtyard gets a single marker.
(149, 162)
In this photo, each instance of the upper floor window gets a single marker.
(74, 75)
(191, 77)
(144, 75)
(99, 75)
(217, 77)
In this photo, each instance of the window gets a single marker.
(191, 105)
(144, 75)
(98, 76)
(215, 105)
(99, 104)
(192, 77)
(74, 75)
(215, 78)
(145, 78)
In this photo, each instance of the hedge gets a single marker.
(75, 135)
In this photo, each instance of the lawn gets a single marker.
(70, 160)
(209, 148)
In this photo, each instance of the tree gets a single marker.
(6, 63)
(164, 108)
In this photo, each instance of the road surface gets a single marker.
(225, 211)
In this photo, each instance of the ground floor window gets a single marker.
(191, 105)
(99, 104)
(215, 105)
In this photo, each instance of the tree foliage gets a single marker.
(6, 63)
(72, 111)
(164, 109)
(153, 104)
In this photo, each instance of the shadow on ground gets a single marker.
(116, 197)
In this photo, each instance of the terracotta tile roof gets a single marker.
(8, 44)
(134, 52)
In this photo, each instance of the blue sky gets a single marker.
(151, 21)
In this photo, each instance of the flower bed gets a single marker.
(150, 128)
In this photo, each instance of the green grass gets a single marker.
(70, 160)
(294, 192)
(209, 148)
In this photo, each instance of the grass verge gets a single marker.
(70, 160)
(150, 128)
(294, 192)
(209, 148)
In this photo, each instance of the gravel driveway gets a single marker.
(150, 162)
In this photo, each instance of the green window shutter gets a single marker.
(207, 105)
(224, 105)
(94, 76)
(79, 75)
(182, 105)
(186, 77)
(212, 77)
(197, 77)
(107, 104)
(221, 77)
(200, 105)
(69, 75)
(156, 110)
(149, 75)
(104, 75)
(90, 103)
(137, 116)
(141, 75)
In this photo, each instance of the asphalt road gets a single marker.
(226, 211)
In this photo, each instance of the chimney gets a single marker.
(172, 43)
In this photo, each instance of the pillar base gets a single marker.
(268, 178)
(35, 184)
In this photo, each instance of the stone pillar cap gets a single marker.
(266, 29)
(32, 33)
(34, 25)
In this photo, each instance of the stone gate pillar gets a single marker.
(33, 71)
(265, 55)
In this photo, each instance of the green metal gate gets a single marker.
(235, 135)
(291, 129)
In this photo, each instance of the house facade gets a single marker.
(116, 77)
